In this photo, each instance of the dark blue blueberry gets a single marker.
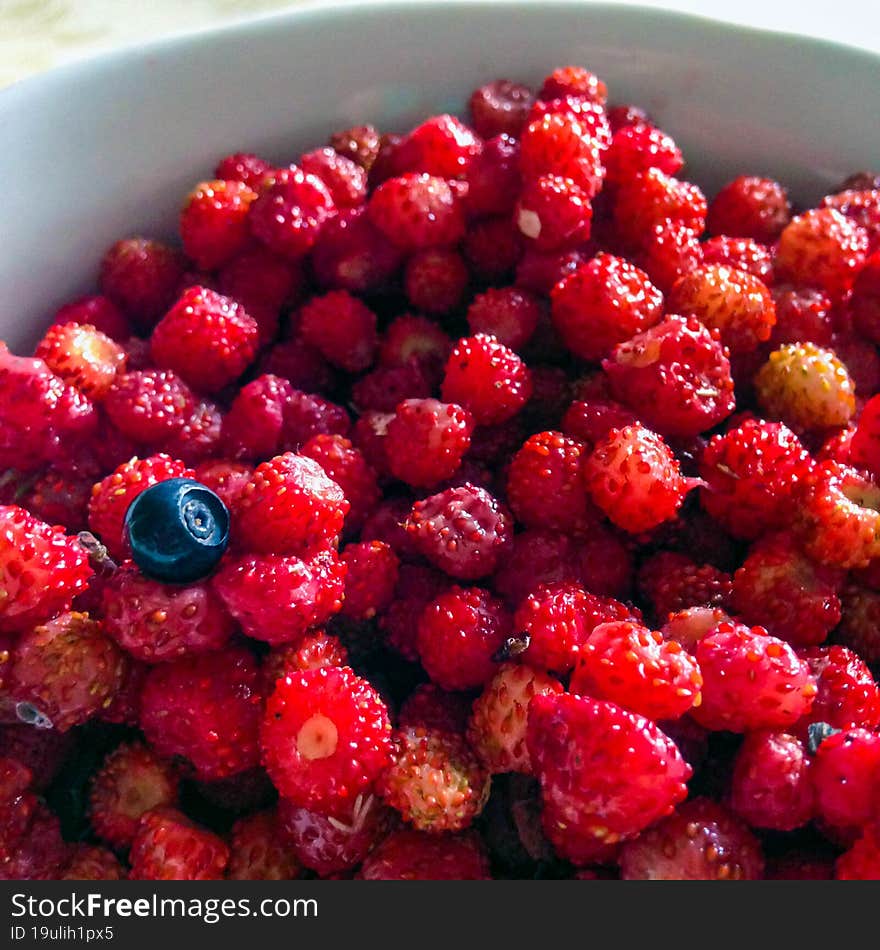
(178, 531)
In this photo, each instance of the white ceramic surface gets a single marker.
(105, 148)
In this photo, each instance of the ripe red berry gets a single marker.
(417, 211)
(42, 569)
(92, 863)
(509, 314)
(751, 681)
(750, 207)
(637, 147)
(142, 277)
(370, 579)
(290, 212)
(326, 738)
(500, 107)
(277, 598)
(742, 254)
(206, 338)
(345, 179)
(408, 855)
(573, 81)
(214, 222)
(257, 852)
(427, 440)
(342, 328)
(206, 709)
(636, 668)
(675, 376)
(459, 633)
(604, 302)
(862, 861)
(442, 146)
(701, 841)
(635, 479)
(149, 406)
(493, 177)
(487, 378)
(157, 622)
(245, 167)
(651, 197)
(847, 695)
(346, 466)
(99, 312)
(772, 782)
(559, 144)
(845, 771)
(82, 356)
(435, 280)
(132, 780)
(672, 582)
(668, 251)
(169, 847)
(605, 773)
(352, 253)
(554, 213)
(360, 143)
(290, 506)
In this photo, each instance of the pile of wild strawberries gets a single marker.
(555, 505)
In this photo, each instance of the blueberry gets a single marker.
(178, 531)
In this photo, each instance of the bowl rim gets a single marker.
(311, 12)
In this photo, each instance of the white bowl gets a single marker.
(106, 148)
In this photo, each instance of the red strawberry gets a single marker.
(418, 856)
(256, 853)
(214, 221)
(701, 841)
(83, 357)
(169, 847)
(426, 441)
(91, 863)
(846, 771)
(847, 695)
(326, 738)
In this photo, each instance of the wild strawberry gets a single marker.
(741, 254)
(142, 277)
(416, 587)
(417, 211)
(40, 416)
(360, 143)
(751, 680)
(605, 773)
(301, 365)
(772, 784)
(806, 386)
(732, 302)
(169, 847)
(592, 420)
(41, 569)
(44, 752)
(316, 649)
(751, 474)
(200, 435)
(497, 726)
(124, 707)
(538, 556)
(328, 845)
(326, 738)
(67, 669)
(434, 780)
(500, 107)
(492, 248)
(263, 283)
(255, 852)
(342, 328)
(277, 598)
(574, 81)
(459, 632)
(98, 312)
(795, 599)
(91, 863)
(41, 854)
(345, 179)
(493, 178)
(156, 622)
(59, 499)
(544, 485)
(750, 207)
(637, 147)
(290, 506)
(838, 518)
(464, 531)
(668, 251)
(507, 313)
(82, 356)
(206, 709)
(635, 479)
(208, 339)
(675, 376)
(435, 280)
(149, 406)
(427, 440)
(862, 207)
(442, 146)
(112, 496)
(803, 315)
(558, 144)
(847, 695)
(290, 211)
(821, 248)
(19, 807)
(245, 167)
(864, 450)
(408, 855)
(604, 302)
(346, 466)
(634, 667)
(554, 213)
(214, 221)
(370, 579)
(672, 582)
(131, 780)
(410, 339)
(652, 196)
(845, 772)
(558, 618)
(351, 253)
(701, 841)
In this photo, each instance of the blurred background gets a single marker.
(38, 34)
